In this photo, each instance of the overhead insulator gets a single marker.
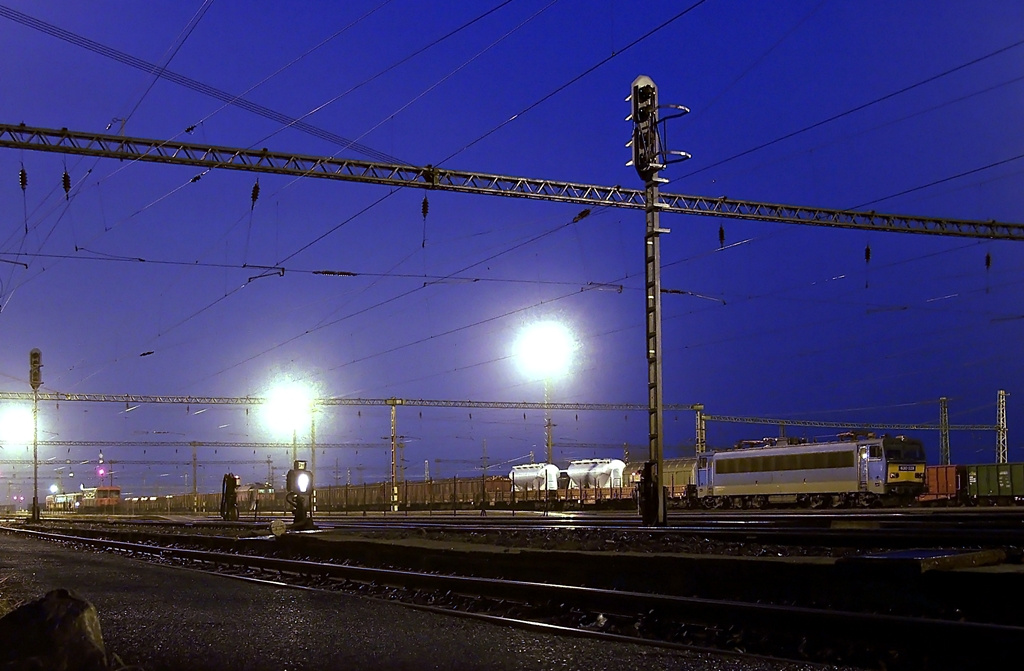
(721, 236)
(424, 209)
(66, 179)
(988, 267)
(23, 178)
(581, 216)
(255, 194)
(196, 178)
(867, 260)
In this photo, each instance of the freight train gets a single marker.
(974, 485)
(86, 500)
(907, 480)
(851, 470)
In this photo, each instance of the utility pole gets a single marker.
(701, 441)
(312, 456)
(195, 472)
(35, 378)
(1001, 451)
(943, 431)
(548, 426)
(394, 403)
(648, 159)
(312, 441)
(483, 478)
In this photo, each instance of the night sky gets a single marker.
(144, 280)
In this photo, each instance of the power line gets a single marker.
(187, 82)
(575, 79)
(850, 111)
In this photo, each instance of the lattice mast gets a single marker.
(1001, 451)
(943, 431)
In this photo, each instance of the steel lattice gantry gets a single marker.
(100, 145)
(334, 401)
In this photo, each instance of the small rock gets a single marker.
(60, 632)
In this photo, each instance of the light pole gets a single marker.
(545, 350)
(17, 426)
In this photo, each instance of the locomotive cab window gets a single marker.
(905, 453)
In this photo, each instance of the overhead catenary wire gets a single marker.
(852, 110)
(223, 96)
(633, 43)
(437, 41)
(575, 79)
(169, 56)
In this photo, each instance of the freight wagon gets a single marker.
(974, 485)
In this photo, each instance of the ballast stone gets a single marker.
(60, 632)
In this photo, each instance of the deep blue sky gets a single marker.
(807, 330)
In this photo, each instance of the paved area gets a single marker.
(156, 618)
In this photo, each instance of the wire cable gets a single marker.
(187, 82)
(852, 110)
(575, 79)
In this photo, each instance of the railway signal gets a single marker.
(299, 484)
(35, 368)
(229, 497)
(646, 142)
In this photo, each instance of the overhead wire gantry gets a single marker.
(99, 145)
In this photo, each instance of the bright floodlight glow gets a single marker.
(545, 349)
(16, 424)
(288, 408)
(54, 489)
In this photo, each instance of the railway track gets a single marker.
(746, 627)
(862, 530)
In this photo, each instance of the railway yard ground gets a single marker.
(826, 593)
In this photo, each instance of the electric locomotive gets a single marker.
(855, 470)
